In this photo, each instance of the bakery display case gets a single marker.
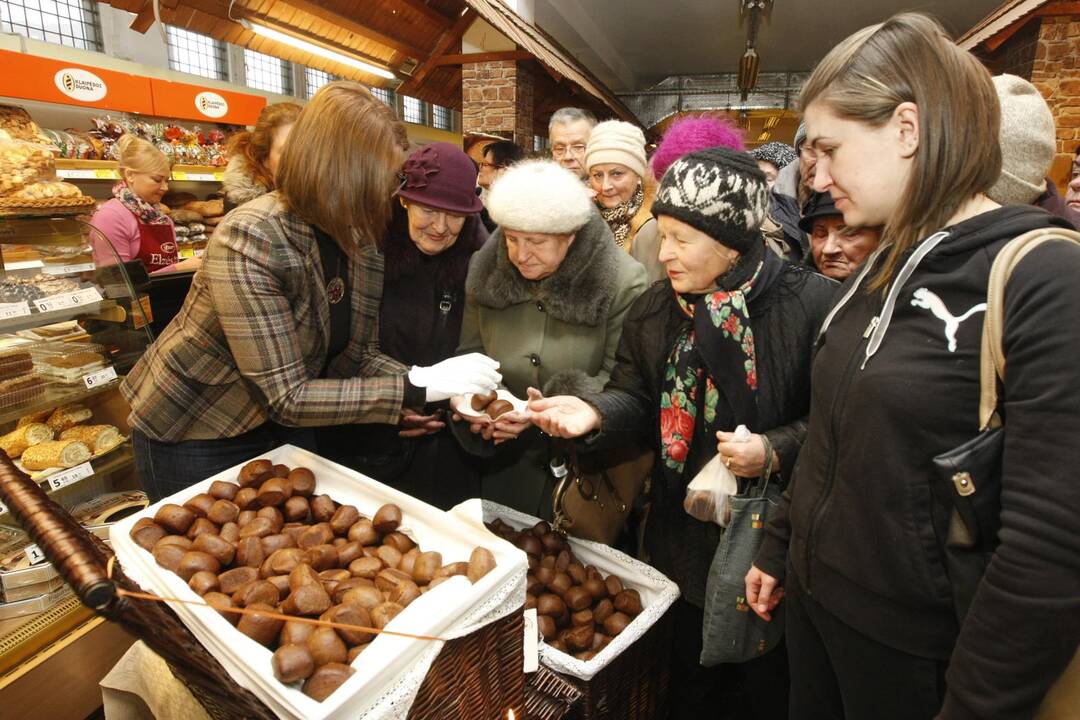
(70, 329)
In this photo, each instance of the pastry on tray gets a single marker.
(67, 416)
(16, 442)
(99, 438)
(71, 368)
(37, 417)
(55, 454)
(15, 362)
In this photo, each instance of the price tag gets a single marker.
(14, 310)
(219, 176)
(201, 177)
(63, 301)
(100, 377)
(33, 552)
(69, 476)
(104, 174)
(179, 175)
(532, 648)
(67, 269)
(71, 174)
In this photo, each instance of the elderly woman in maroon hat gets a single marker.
(435, 230)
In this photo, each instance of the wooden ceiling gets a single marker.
(418, 40)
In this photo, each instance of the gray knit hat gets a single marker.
(720, 192)
(778, 153)
(1028, 142)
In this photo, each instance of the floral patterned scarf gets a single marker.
(717, 347)
(618, 218)
(146, 213)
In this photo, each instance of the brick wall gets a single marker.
(497, 97)
(1055, 71)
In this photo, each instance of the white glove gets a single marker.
(472, 373)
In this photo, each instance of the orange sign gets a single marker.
(192, 102)
(37, 78)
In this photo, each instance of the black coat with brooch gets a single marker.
(419, 324)
(787, 306)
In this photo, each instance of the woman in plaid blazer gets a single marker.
(279, 332)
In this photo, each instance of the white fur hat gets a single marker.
(539, 196)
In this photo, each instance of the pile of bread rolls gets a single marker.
(268, 542)
(579, 611)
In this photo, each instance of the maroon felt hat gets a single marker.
(441, 176)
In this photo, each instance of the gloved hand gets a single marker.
(472, 373)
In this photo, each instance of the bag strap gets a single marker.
(992, 359)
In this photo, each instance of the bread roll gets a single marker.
(38, 417)
(99, 438)
(18, 440)
(55, 454)
(67, 416)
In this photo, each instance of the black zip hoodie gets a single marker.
(857, 523)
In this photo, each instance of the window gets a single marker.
(387, 96)
(66, 22)
(315, 79)
(265, 72)
(412, 110)
(196, 54)
(440, 117)
(540, 143)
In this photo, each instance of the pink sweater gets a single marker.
(120, 226)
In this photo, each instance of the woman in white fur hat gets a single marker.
(618, 175)
(546, 297)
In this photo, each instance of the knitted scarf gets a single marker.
(714, 355)
(618, 218)
(146, 213)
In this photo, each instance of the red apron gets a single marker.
(157, 245)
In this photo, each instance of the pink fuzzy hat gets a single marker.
(691, 134)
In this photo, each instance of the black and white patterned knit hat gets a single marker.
(778, 153)
(720, 192)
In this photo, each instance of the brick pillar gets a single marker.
(497, 97)
(1056, 73)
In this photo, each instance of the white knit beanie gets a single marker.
(614, 141)
(539, 196)
(1028, 142)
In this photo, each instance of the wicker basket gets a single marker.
(634, 685)
(548, 696)
(478, 676)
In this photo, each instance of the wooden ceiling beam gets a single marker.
(427, 11)
(484, 57)
(448, 38)
(315, 10)
(144, 19)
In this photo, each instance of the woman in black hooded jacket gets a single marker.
(726, 340)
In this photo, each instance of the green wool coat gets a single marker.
(558, 335)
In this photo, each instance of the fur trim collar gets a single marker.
(239, 184)
(580, 291)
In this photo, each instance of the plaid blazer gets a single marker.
(251, 339)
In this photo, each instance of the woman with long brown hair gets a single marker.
(279, 332)
(904, 128)
(254, 155)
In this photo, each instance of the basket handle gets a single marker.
(76, 554)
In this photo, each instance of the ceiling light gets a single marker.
(772, 122)
(310, 47)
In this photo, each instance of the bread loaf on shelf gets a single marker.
(16, 442)
(55, 454)
(99, 438)
(67, 416)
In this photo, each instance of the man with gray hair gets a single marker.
(568, 133)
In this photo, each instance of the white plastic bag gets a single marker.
(708, 496)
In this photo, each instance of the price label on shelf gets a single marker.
(69, 476)
(64, 301)
(532, 650)
(105, 174)
(179, 175)
(67, 269)
(72, 174)
(100, 377)
(34, 554)
(14, 310)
